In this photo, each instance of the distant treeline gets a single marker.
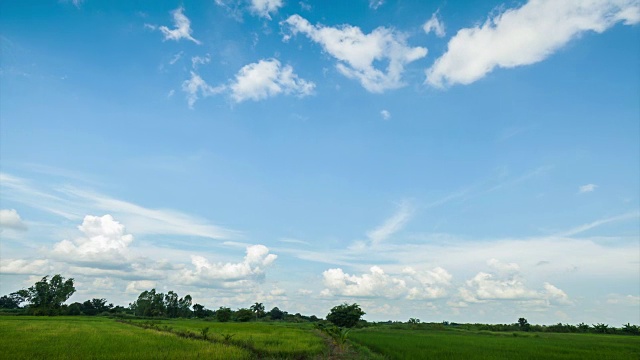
(47, 297)
(521, 325)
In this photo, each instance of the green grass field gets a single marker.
(269, 339)
(452, 344)
(79, 337)
(26, 337)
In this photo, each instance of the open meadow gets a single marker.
(80, 337)
(464, 344)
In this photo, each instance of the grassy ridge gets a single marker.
(420, 344)
(26, 337)
(282, 340)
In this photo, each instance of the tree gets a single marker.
(276, 314)
(149, 303)
(46, 296)
(523, 324)
(11, 301)
(345, 315)
(243, 315)
(198, 310)
(223, 314)
(258, 309)
(184, 306)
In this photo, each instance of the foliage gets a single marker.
(223, 314)
(11, 301)
(524, 324)
(46, 296)
(151, 303)
(243, 315)
(345, 315)
(276, 314)
(258, 309)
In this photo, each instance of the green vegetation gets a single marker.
(26, 337)
(263, 339)
(463, 344)
(345, 315)
(166, 326)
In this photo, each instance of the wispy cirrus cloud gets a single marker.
(587, 188)
(392, 225)
(73, 203)
(182, 27)
(524, 35)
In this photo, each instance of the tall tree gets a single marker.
(258, 309)
(46, 296)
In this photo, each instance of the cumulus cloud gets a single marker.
(435, 25)
(104, 244)
(136, 287)
(587, 188)
(386, 115)
(200, 60)
(508, 284)
(411, 284)
(374, 284)
(432, 283)
(268, 78)
(263, 8)
(10, 219)
(252, 268)
(357, 52)
(182, 28)
(25, 267)
(196, 87)
(392, 225)
(525, 35)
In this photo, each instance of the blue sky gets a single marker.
(461, 161)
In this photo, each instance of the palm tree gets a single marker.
(258, 308)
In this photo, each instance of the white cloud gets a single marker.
(411, 284)
(268, 78)
(503, 267)
(196, 87)
(263, 8)
(625, 300)
(386, 115)
(525, 35)
(357, 52)
(587, 188)
(182, 28)
(104, 244)
(432, 283)
(375, 4)
(508, 284)
(72, 204)
(206, 274)
(374, 284)
(434, 24)
(392, 225)
(176, 57)
(200, 60)
(25, 267)
(10, 219)
(136, 287)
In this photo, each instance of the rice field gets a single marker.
(79, 337)
(452, 344)
(266, 339)
(26, 337)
